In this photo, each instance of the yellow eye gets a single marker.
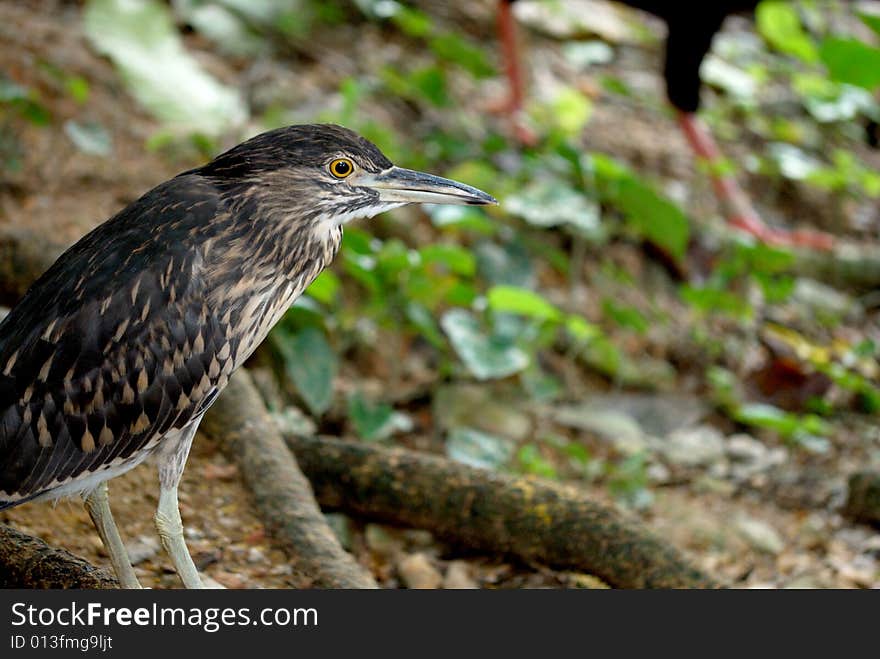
(341, 167)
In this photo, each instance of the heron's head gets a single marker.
(330, 174)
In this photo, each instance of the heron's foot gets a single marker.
(754, 226)
(517, 125)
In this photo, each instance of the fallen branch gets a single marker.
(249, 437)
(28, 562)
(531, 519)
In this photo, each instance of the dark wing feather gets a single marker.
(114, 345)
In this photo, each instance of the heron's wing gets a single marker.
(113, 346)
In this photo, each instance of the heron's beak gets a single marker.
(406, 186)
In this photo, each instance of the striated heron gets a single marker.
(117, 351)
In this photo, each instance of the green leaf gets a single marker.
(871, 19)
(550, 202)
(532, 462)
(806, 429)
(478, 449)
(509, 263)
(653, 216)
(374, 421)
(452, 48)
(457, 259)
(424, 322)
(486, 356)
(568, 112)
(625, 316)
(311, 364)
(412, 22)
(325, 287)
(465, 217)
(141, 39)
(852, 61)
(714, 300)
(780, 25)
(511, 299)
(580, 329)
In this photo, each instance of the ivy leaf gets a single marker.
(779, 24)
(311, 364)
(852, 61)
(486, 356)
(375, 421)
(511, 299)
(551, 202)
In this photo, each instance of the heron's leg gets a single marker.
(738, 207)
(513, 105)
(98, 504)
(168, 523)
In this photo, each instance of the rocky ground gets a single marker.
(752, 509)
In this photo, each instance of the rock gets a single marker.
(211, 583)
(749, 457)
(658, 473)
(417, 572)
(863, 497)
(142, 549)
(824, 300)
(657, 414)
(618, 428)
(255, 555)
(223, 579)
(693, 447)
(760, 535)
(482, 408)
(585, 581)
(293, 421)
(418, 537)
(380, 541)
(458, 576)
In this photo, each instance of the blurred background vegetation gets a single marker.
(600, 325)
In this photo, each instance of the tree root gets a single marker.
(249, 437)
(531, 519)
(28, 562)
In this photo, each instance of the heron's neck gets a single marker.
(266, 261)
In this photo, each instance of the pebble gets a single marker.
(749, 457)
(417, 572)
(142, 549)
(211, 583)
(760, 535)
(692, 447)
(256, 555)
(381, 541)
(458, 576)
(621, 430)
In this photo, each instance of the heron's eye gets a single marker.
(341, 167)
